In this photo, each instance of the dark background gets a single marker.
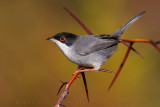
(31, 67)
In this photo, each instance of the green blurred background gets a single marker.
(31, 67)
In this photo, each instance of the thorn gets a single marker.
(85, 84)
(77, 20)
(120, 67)
(63, 83)
(103, 70)
(131, 48)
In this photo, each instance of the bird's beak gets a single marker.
(49, 38)
(52, 39)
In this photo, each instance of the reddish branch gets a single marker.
(64, 94)
(154, 43)
(131, 41)
(120, 67)
(76, 18)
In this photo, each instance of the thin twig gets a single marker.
(129, 46)
(121, 66)
(154, 43)
(65, 93)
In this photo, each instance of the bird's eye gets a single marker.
(62, 38)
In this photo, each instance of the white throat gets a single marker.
(64, 48)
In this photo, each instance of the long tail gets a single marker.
(119, 32)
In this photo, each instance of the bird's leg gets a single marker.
(86, 69)
(79, 68)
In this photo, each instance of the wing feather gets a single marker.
(89, 44)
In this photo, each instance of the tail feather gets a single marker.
(119, 32)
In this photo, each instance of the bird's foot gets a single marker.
(84, 70)
(91, 69)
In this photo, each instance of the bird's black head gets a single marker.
(65, 37)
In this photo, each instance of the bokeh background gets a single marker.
(31, 67)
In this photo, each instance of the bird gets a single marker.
(90, 51)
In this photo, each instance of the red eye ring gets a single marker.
(62, 38)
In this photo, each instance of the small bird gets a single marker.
(92, 50)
